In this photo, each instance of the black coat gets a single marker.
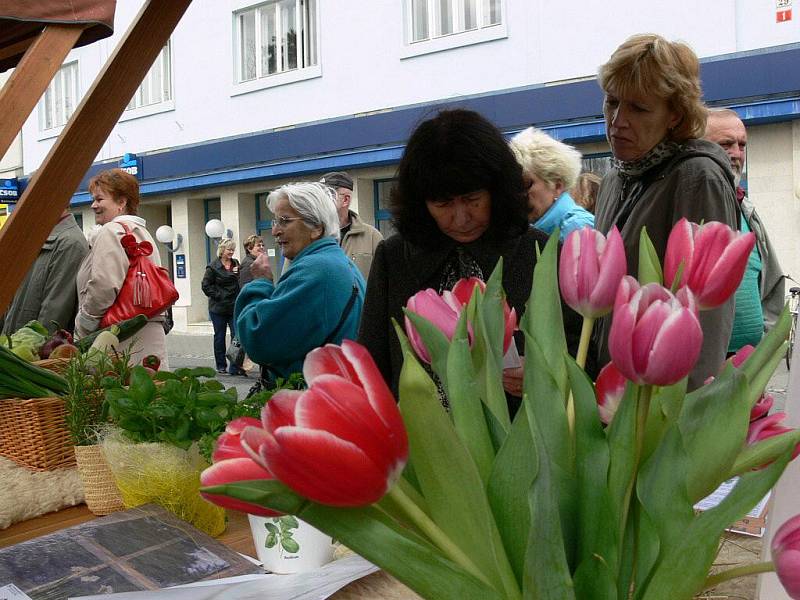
(221, 286)
(400, 270)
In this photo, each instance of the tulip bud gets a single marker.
(786, 556)
(655, 336)
(714, 258)
(768, 427)
(609, 390)
(342, 441)
(590, 270)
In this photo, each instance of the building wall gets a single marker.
(364, 69)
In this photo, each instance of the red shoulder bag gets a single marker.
(147, 289)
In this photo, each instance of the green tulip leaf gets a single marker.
(768, 347)
(621, 446)
(543, 320)
(452, 488)
(713, 424)
(649, 264)
(508, 488)
(594, 580)
(466, 407)
(372, 534)
(683, 569)
(597, 538)
(546, 575)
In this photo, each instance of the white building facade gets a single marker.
(248, 95)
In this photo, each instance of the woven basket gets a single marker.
(33, 433)
(56, 365)
(99, 487)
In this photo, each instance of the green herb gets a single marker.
(280, 529)
(84, 403)
(186, 406)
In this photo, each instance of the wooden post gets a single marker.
(56, 180)
(31, 77)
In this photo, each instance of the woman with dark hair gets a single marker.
(459, 205)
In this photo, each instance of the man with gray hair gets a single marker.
(357, 239)
(760, 296)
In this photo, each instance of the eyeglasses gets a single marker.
(282, 222)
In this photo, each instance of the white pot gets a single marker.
(288, 545)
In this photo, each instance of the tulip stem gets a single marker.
(583, 346)
(439, 538)
(742, 571)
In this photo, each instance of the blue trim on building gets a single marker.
(764, 86)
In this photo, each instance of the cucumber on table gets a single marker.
(123, 330)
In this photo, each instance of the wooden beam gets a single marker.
(30, 79)
(56, 180)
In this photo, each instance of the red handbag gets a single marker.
(147, 289)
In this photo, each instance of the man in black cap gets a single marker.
(357, 239)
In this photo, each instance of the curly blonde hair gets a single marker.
(225, 244)
(649, 65)
(546, 158)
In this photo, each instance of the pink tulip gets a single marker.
(768, 427)
(590, 270)
(609, 390)
(655, 336)
(341, 442)
(231, 465)
(786, 556)
(714, 258)
(764, 404)
(444, 311)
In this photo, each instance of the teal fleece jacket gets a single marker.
(278, 324)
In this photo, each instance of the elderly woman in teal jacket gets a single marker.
(316, 301)
(550, 168)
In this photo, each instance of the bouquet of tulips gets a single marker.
(588, 492)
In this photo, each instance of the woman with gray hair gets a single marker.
(221, 285)
(550, 168)
(316, 301)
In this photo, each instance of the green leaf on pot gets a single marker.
(597, 538)
(546, 575)
(508, 489)
(713, 424)
(452, 488)
(466, 406)
(649, 264)
(682, 571)
(369, 532)
(142, 388)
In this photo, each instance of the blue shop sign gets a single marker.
(130, 163)
(9, 191)
(180, 266)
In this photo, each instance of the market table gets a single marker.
(378, 586)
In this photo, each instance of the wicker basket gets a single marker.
(34, 435)
(99, 487)
(56, 365)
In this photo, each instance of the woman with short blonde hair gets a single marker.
(550, 168)
(221, 285)
(661, 170)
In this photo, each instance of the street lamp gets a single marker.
(215, 229)
(172, 241)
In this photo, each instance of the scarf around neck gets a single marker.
(661, 152)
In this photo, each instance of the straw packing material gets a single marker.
(165, 475)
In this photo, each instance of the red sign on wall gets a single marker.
(783, 11)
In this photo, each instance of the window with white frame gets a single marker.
(156, 86)
(60, 98)
(429, 19)
(275, 37)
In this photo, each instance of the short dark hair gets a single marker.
(457, 152)
(119, 184)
